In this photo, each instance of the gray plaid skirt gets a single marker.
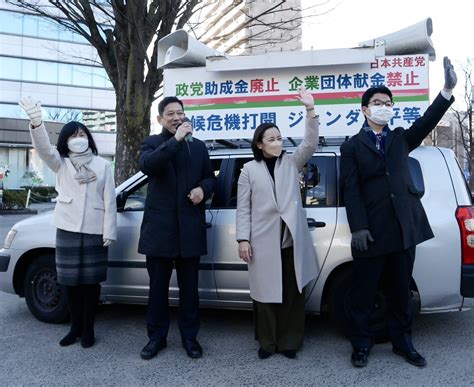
(80, 258)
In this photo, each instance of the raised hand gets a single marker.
(450, 78)
(305, 98)
(32, 110)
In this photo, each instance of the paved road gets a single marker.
(30, 354)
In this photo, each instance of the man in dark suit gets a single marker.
(173, 231)
(385, 215)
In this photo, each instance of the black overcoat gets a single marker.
(172, 226)
(378, 191)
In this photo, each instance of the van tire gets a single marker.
(339, 301)
(45, 297)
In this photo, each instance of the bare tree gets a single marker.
(455, 130)
(125, 34)
(464, 120)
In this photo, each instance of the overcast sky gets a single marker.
(354, 21)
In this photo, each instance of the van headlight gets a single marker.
(9, 238)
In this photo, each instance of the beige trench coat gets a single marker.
(261, 203)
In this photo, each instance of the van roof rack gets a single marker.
(288, 142)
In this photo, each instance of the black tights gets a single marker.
(82, 303)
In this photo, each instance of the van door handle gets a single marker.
(314, 224)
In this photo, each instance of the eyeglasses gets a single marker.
(378, 102)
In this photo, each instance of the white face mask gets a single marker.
(78, 144)
(381, 115)
(274, 148)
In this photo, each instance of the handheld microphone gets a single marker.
(189, 136)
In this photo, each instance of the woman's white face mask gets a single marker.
(275, 148)
(272, 144)
(78, 144)
(380, 115)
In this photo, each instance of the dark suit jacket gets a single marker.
(172, 226)
(378, 191)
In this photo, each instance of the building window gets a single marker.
(16, 23)
(95, 120)
(19, 69)
(11, 23)
(47, 72)
(28, 70)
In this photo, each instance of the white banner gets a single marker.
(230, 105)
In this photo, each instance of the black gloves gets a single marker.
(359, 240)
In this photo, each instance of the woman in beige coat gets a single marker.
(85, 216)
(273, 234)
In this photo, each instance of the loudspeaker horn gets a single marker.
(414, 39)
(178, 49)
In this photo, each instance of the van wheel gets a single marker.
(46, 299)
(339, 303)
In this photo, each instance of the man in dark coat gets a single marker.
(173, 231)
(385, 215)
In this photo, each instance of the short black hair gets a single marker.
(67, 131)
(166, 101)
(369, 93)
(258, 137)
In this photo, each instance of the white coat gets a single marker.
(87, 208)
(261, 203)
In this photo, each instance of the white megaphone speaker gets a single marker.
(411, 40)
(178, 49)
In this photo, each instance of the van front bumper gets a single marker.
(467, 281)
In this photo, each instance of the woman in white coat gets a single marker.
(85, 216)
(273, 234)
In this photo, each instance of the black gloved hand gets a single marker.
(450, 78)
(359, 240)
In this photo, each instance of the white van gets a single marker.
(443, 274)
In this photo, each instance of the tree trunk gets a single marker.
(133, 121)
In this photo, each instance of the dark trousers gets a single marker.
(396, 270)
(280, 327)
(82, 304)
(157, 317)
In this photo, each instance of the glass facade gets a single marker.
(19, 157)
(29, 70)
(95, 120)
(28, 25)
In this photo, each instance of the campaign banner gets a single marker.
(231, 104)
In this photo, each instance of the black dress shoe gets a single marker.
(87, 339)
(262, 354)
(193, 348)
(289, 353)
(359, 357)
(150, 350)
(411, 356)
(69, 339)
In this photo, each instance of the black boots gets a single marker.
(91, 299)
(82, 303)
(76, 307)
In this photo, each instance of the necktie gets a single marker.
(378, 142)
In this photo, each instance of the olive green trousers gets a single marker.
(280, 327)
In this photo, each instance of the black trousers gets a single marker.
(157, 318)
(396, 270)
